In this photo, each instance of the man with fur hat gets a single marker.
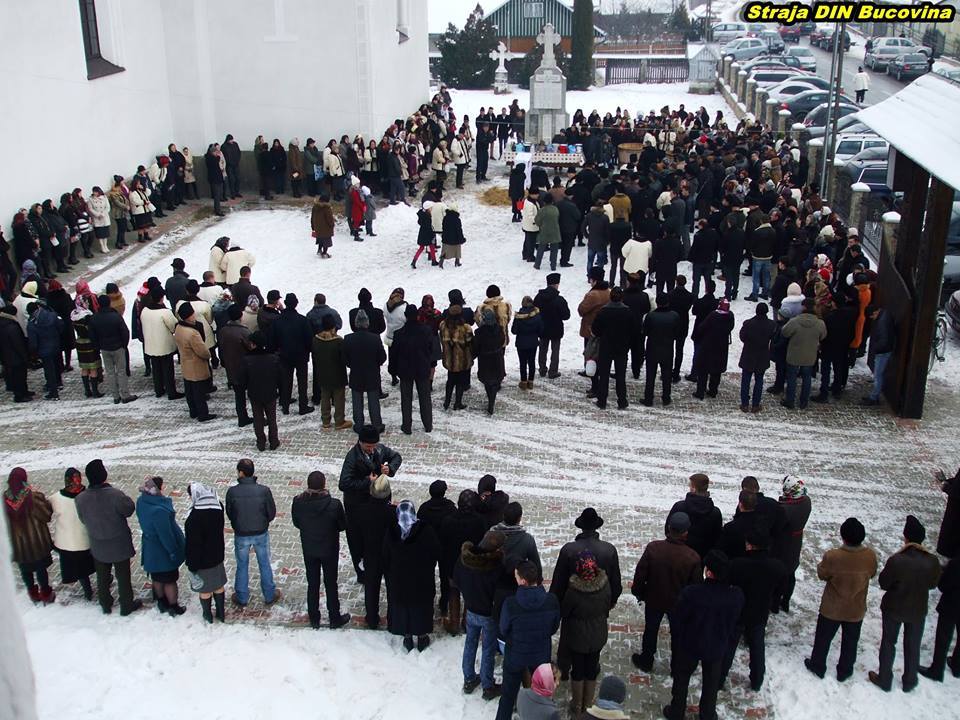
(194, 363)
(366, 461)
(906, 579)
(103, 510)
(476, 575)
(847, 571)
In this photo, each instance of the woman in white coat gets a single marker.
(142, 210)
(395, 318)
(217, 251)
(157, 323)
(636, 254)
(235, 258)
(70, 538)
(189, 178)
(99, 207)
(528, 215)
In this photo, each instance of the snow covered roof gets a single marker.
(920, 122)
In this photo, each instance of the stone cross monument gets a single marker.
(547, 114)
(499, 56)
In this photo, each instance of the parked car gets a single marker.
(818, 116)
(772, 61)
(815, 33)
(826, 39)
(725, 32)
(877, 58)
(790, 33)
(744, 48)
(871, 153)
(904, 45)
(785, 89)
(948, 73)
(953, 304)
(912, 65)
(767, 77)
(869, 172)
(814, 80)
(807, 27)
(848, 123)
(805, 56)
(773, 40)
(801, 104)
(848, 145)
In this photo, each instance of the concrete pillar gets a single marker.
(783, 121)
(770, 112)
(760, 104)
(859, 194)
(741, 85)
(891, 222)
(732, 76)
(750, 95)
(725, 73)
(814, 153)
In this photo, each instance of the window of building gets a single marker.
(532, 10)
(97, 65)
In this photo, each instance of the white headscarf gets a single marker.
(202, 498)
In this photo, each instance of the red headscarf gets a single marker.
(429, 315)
(18, 497)
(83, 288)
(542, 681)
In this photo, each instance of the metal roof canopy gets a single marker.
(921, 121)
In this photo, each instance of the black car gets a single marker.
(912, 65)
(802, 103)
(826, 39)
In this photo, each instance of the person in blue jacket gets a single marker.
(43, 335)
(162, 546)
(528, 327)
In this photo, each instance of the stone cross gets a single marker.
(548, 38)
(500, 56)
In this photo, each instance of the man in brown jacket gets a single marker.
(194, 363)
(907, 579)
(665, 568)
(847, 571)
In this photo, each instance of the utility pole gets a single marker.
(833, 110)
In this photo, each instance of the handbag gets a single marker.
(196, 582)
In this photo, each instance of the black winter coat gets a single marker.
(476, 575)
(756, 334)
(364, 354)
(948, 542)
(409, 571)
(705, 246)
(528, 327)
(488, 349)
(949, 585)
(320, 520)
(492, 507)
(662, 328)
(666, 254)
(411, 355)
(214, 173)
(425, 234)
(14, 352)
(584, 609)
(788, 544)
(259, 374)
(108, 330)
(378, 325)
(292, 335)
(702, 307)
(615, 327)
(704, 620)
(681, 300)
(757, 574)
(554, 311)
(516, 190)
(605, 555)
(527, 622)
(456, 529)
(908, 577)
(706, 522)
(596, 227)
(250, 507)
(203, 531)
(570, 217)
(452, 229)
(243, 289)
(731, 247)
(433, 512)
(356, 470)
(712, 341)
(841, 326)
(373, 521)
(636, 298)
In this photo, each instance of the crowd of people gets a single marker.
(715, 582)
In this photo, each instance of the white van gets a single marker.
(850, 145)
(725, 32)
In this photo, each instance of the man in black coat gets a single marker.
(704, 624)
(365, 462)
(570, 219)
(554, 311)
(841, 326)
(109, 332)
(483, 141)
(411, 359)
(774, 517)
(661, 328)
(756, 334)
(176, 285)
(757, 574)
(746, 520)
(432, 513)
(293, 338)
(14, 354)
(374, 315)
(492, 501)
(703, 254)
(516, 190)
(732, 240)
(371, 522)
(635, 297)
(667, 252)
(614, 328)
(712, 342)
(251, 509)
(243, 288)
(363, 353)
(701, 307)
(681, 300)
(215, 177)
(706, 522)
(320, 520)
(259, 373)
(463, 525)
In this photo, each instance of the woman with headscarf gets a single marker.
(119, 197)
(28, 513)
(278, 166)
(394, 314)
(203, 530)
(162, 545)
(141, 209)
(584, 611)
(536, 702)
(71, 217)
(189, 178)
(250, 314)
(430, 318)
(217, 251)
(88, 354)
(26, 242)
(411, 552)
(84, 221)
(59, 235)
(796, 508)
(456, 345)
(59, 300)
(488, 348)
(70, 538)
(99, 208)
(425, 236)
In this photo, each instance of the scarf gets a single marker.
(406, 518)
(18, 497)
(542, 682)
(586, 566)
(81, 309)
(72, 483)
(83, 289)
(202, 498)
(395, 299)
(143, 291)
(793, 488)
(149, 487)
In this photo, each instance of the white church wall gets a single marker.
(62, 130)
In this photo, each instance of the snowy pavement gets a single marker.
(551, 449)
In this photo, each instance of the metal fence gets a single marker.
(646, 71)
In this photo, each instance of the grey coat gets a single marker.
(518, 546)
(531, 706)
(104, 511)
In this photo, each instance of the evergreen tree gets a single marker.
(581, 56)
(465, 54)
(679, 21)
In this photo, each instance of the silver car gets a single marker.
(808, 61)
(744, 48)
(878, 58)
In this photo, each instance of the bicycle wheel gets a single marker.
(939, 348)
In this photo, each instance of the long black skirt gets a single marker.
(75, 564)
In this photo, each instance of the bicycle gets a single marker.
(938, 351)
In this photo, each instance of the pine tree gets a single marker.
(581, 56)
(465, 54)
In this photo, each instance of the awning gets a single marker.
(920, 121)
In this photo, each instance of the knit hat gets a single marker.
(794, 290)
(853, 532)
(438, 489)
(96, 473)
(488, 483)
(589, 520)
(914, 531)
(553, 279)
(369, 434)
(612, 690)
(30, 288)
(493, 291)
(679, 522)
(380, 488)
(793, 488)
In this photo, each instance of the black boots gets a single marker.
(218, 601)
(90, 387)
(207, 612)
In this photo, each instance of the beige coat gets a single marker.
(232, 261)
(188, 176)
(216, 257)
(194, 356)
(848, 571)
(99, 208)
(440, 158)
(157, 326)
(203, 315)
(503, 311)
(249, 320)
(68, 532)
